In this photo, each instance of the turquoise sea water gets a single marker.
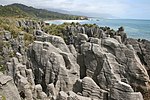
(134, 28)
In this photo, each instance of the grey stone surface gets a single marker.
(62, 96)
(123, 91)
(8, 88)
(74, 96)
(57, 66)
(91, 89)
(40, 94)
(98, 59)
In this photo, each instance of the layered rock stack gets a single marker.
(93, 64)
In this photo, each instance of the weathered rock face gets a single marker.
(92, 90)
(39, 92)
(129, 60)
(142, 49)
(53, 63)
(92, 58)
(8, 90)
(104, 60)
(123, 91)
(74, 96)
(62, 96)
(97, 64)
(7, 35)
(103, 66)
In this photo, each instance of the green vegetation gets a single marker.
(23, 11)
(2, 68)
(54, 29)
(3, 98)
(28, 38)
(9, 24)
(58, 30)
(90, 25)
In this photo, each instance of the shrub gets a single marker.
(28, 38)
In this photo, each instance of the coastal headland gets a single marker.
(71, 61)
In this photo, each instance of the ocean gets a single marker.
(138, 29)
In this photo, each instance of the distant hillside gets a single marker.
(20, 10)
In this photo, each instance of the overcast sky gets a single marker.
(132, 9)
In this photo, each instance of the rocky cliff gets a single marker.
(92, 63)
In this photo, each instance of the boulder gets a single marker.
(74, 96)
(91, 89)
(40, 93)
(62, 96)
(7, 35)
(72, 50)
(82, 37)
(58, 42)
(51, 90)
(95, 41)
(8, 90)
(123, 91)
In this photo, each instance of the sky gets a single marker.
(124, 9)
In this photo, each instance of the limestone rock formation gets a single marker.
(52, 62)
(74, 96)
(142, 49)
(95, 63)
(8, 90)
(123, 91)
(92, 90)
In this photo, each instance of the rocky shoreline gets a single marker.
(90, 63)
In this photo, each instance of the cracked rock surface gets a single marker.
(96, 65)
